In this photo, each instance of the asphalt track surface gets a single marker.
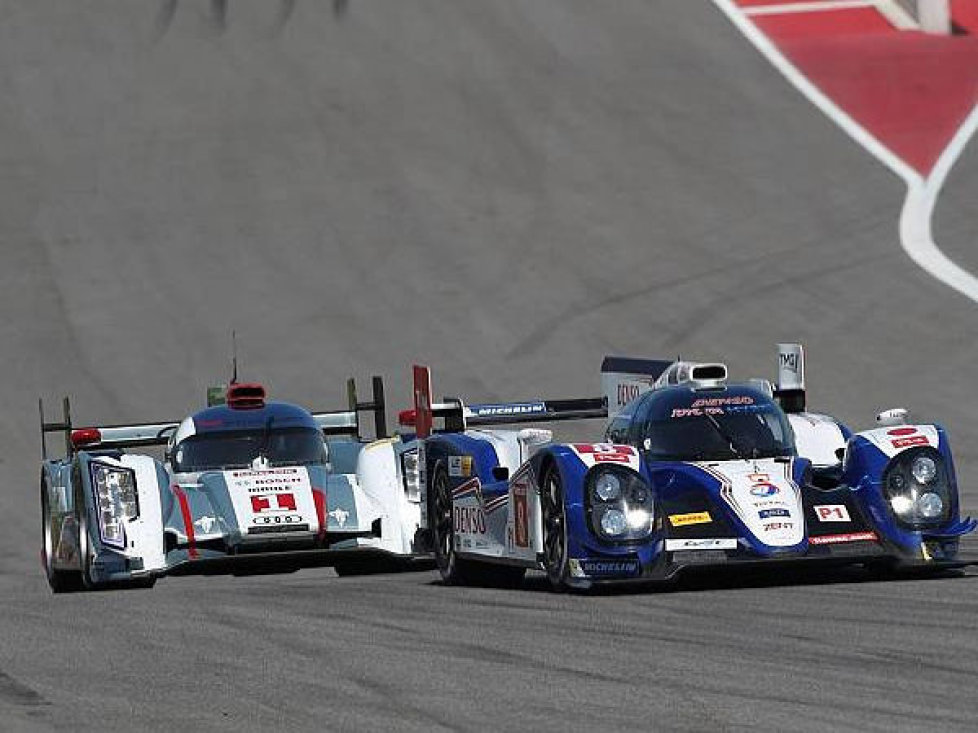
(504, 190)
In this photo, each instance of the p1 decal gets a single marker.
(832, 513)
(910, 99)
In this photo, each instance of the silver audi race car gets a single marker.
(243, 486)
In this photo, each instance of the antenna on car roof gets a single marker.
(234, 357)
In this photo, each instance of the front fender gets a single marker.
(869, 454)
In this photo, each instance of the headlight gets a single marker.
(917, 488)
(613, 522)
(924, 469)
(607, 487)
(620, 503)
(116, 501)
(410, 471)
(930, 505)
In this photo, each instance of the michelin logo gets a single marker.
(516, 409)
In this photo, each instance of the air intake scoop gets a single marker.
(246, 396)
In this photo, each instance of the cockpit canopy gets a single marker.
(222, 438)
(683, 423)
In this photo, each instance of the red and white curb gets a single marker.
(808, 42)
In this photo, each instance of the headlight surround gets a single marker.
(917, 488)
(620, 507)
(116, 501)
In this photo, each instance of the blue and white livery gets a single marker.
(692, 471)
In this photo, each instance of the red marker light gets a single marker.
(902, 431)
(85, 436)
(407, 417)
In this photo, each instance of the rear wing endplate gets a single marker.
(347, 422)
(457, 416)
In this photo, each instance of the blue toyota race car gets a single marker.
(692, 470)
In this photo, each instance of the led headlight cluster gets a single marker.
(116, 501)
(917, 488)
(411, 473)
(620, 503)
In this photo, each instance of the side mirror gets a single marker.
(894, 416)
(500, 473)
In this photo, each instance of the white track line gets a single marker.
(898, 17)
(808, 7)
(915, 219)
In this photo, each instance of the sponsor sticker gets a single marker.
(261, 504)
(603, 568)
(681, 520)
(718, 543)
(469, 520)
(776, 526)
(835, 539)
(832, 513)
(723, 401)
(606, 452)
(521, 524)
(460, 466)
(911, 441)
(515, 409)
(770, 513)
(269, 519)
(764, 489)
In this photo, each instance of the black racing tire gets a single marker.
(61, 581)
(555, 560)
(454, 570)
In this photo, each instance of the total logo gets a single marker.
(765, 489)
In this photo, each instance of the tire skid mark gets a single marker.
(17, 693)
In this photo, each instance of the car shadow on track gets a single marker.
(715, 579)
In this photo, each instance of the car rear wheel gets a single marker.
(554, 529)
(454, 570)
(61, 581)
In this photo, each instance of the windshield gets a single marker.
(239, 448)
(720, 434)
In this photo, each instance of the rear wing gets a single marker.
(347, 422)
(342, 422)
(113, 436)
(458, 416)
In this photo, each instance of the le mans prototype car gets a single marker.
(244, 486)
(693, 471)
